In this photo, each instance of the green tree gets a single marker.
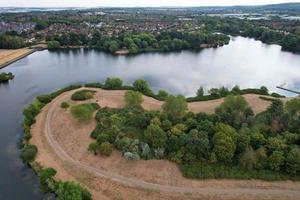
(248, 159)
(293, 106)
(105, 149)
(28, 153)
(113, 46)
(293, 161)
(275, 161)
(46, 179)
(163, 95)
(155, 136)
(53, 44)
(224, 143)
(113, 83)
(175, 107)
(142, 86)
(200, 92)
(233, 111)
(72, 191)
(133, 99)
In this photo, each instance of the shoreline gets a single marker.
(9, 56)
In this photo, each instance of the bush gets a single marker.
(28, 153)
(64, 105)
(133, 99)
(113, 83)
(82, 95)
(142, 86)
(94, 148)
(46, 179)
(83, 112)
(70, 190)
(175, 107)
(105, 149)
(53, 45)
(46, 98)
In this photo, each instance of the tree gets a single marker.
(293, 161)
(11, 42)
(162, 94)
(113, 46)
(105, 149)
(72, 191)
(82, 112)
(224, 143)
(248, 159)
(142, 86)
(175, 107)
(200, 92)
(155, 136)
(293, 106)
(46, 179)
(53, 44)
(28, 153)
(275, 161)
(198, 144)
(233, 111)
(133, 99)
(113, 83)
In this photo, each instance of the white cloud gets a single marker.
(130, 3)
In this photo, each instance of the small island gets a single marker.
(128, 136)
(6, 77)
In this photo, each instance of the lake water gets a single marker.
(244, 62)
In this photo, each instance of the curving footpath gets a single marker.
(136, 183)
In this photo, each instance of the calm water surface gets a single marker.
(245, 62)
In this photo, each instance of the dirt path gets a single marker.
(8, 56)
(58, 154)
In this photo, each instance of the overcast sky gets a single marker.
(130, 3)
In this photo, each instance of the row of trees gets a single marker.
(135, 43)
(232, 136)
(11, 42)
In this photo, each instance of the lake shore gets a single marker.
(54, 126)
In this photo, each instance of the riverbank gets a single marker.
(63, 141)
(9, 56)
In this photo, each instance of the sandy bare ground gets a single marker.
(10, 55)
(63, 141)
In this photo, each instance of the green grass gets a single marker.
(218, 171)
(83, 112)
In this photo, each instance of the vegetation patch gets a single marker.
(64, 105)
(84, 112)
(232, 143)
(5, 77)
(82, 95)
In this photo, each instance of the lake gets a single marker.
(245, 62)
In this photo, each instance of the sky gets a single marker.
(133, 3)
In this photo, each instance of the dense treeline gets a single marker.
(143, 42)
(288, 35)
(11, 42)
(265, 146)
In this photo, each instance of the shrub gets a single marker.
(162, 95)
(64, 105)
(28, 153)
(175, 107)
(94, 148)
(83, 112)
(248, 159)
(131, 156)
(293, 161)
(70, 190)
(53, 45)
(105, 149)
(142, 86)
(275, 161)
(113, 83)
(133, 99)
(82, 95)
(46, 98)
(46, 179)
